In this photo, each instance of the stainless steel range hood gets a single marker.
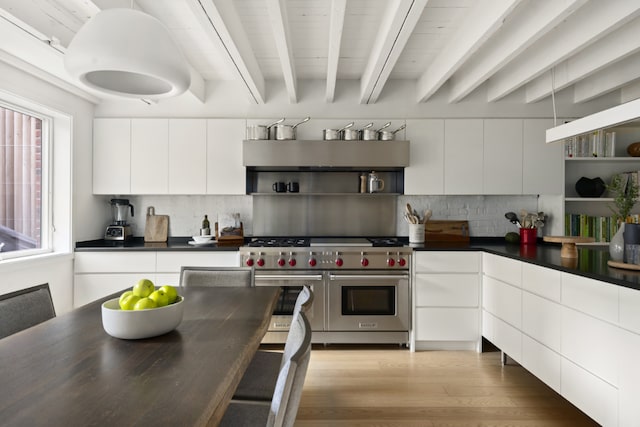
(296, 154)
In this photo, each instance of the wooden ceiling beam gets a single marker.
(614, 77)
(614, 47)
(519, 32)
(222, 23)
(277, 10)
(481, 22)
(588, 25)
(336, 28)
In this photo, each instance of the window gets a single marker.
(23, 181)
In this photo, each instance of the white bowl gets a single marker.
(201, 239)
(137, 324)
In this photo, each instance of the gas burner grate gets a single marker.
(385, 241)
(278, 242)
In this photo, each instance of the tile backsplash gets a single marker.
(484, 213)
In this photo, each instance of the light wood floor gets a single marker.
(394, 387)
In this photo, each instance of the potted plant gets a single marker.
(624, 190)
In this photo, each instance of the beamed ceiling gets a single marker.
(451, 47)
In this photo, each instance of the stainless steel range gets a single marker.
(361, 286)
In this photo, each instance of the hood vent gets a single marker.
(295, 154)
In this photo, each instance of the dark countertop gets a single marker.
(591, 261)
(138, 244)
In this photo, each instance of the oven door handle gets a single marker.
(316, 277)
(368, 277)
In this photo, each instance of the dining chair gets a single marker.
(259, 380)
(217, 276)
(25, 308)
(283, 408)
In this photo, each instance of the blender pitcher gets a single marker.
(120, 211)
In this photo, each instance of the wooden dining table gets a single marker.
(69, 372)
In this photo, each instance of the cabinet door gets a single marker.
(187, 156)
(447, 324)
(542, 163)
(171, 262)
(111, 156)
(90, 287)
(149, 156)
(447, 290)
(425, 174)
(225, 173)
(542, 362)
(502, 156)
(463, 156)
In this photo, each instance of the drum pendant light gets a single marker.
(128, 53)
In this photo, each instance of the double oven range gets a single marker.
(361, 286)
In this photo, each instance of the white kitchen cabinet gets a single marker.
(225, 173)
(540, 320)
(463, 156)
(502, 169)
(542, 171)
(149, 156)
(111, 156)
(101, 273)
(446, 295)
(629, 381)
(425, 174)
(187, 156)
(542, 362)
(502, 300)
(502, 268)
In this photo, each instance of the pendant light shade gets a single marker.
(128, 53)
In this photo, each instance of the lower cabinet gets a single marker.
(564, 329)
(98, 274)
(446, 295)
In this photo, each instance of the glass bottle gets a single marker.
(206, 229)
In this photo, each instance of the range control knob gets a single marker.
(402, 262)
(312, 262)
(292, 262)
(391, 262)
(260, 262)
(281, 262)
(364, 262)
(339, 262)
(249, 262)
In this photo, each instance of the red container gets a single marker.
(528, 236)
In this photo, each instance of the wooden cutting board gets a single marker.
(156, 227)
(446, 231)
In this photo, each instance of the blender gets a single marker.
(119, 229)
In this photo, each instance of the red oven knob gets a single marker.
(402, 262)
(364, 262)
(312, 262)
(249, 262)
(292, 262)
(391, 262)
(281, 262)
(260, 262)
(339, 262)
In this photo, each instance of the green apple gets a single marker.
(171, 293)
(160, 298)
(123, 296)
(129, 302)
(143, 288)
(145, 303)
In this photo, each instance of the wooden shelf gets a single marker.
(325, 194)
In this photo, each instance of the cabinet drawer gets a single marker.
(447, 262)
(591, 343)
(592, 395)
(90, 287)
(502, 300)
(447, 290)
(542, 281)
(590, 296)
(504, 336)
(447, 324)
(540, 320)
(629, 312)
(171, 262)
(505, 269)
(542, 362)
(110, 262)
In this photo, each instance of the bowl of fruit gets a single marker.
(143, 311)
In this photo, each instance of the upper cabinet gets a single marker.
(542, 163)
(463, 154)
(425, 173)
(168, 156)
(502, 170)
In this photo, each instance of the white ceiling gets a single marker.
(450, 47)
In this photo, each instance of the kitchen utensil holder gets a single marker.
(416, 233)
(528, 236)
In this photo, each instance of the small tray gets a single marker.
(623, 265)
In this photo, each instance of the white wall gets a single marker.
(78, 219)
